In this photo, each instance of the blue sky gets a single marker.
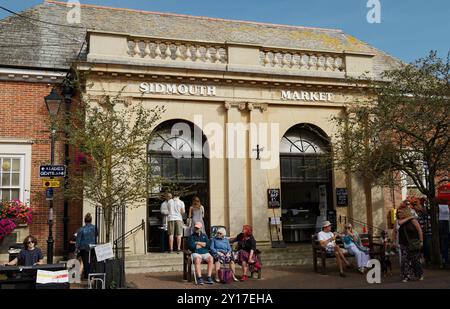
(408, 28)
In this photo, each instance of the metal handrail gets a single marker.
(141, 226)
(362, 223)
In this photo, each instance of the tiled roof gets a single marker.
(32, 43)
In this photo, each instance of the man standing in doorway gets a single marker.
(164, 214)
(175, 221)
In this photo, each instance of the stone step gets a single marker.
(266, 260)
(179, 268)
(174, 256)
(165, 262)
(147, 263)
(155, 256)
(150, 269)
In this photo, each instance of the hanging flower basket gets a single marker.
(12, 214)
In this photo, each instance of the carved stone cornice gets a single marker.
(261, 106)
(99, 98)
(32, 76)
(239, 105)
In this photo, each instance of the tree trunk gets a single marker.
(369, 211)
(367, 181)
(108, 222)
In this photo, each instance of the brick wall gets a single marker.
(23, 114)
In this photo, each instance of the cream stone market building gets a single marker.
(260, 95)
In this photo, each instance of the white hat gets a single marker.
(326, 223)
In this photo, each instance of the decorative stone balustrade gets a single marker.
(176, 51)
(225, 56)
(301, 60)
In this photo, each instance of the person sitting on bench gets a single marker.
(353, 244)
(221, 252)
(199, 244)
(327, 240)
(247, 257)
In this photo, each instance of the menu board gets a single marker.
(273, 197)
(341, 197)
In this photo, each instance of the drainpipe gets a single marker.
(67, 91)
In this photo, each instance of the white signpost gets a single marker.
(104, 252)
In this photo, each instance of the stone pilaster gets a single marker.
(236, 167)
(259, 134)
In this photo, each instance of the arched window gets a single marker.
(303, 155)
(175, 153)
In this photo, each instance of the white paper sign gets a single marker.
(322, 207)
(104, 252)
(44, 276)
(275, 221)
(444, 214)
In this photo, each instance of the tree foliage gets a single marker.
(111, 138)
(401, 129)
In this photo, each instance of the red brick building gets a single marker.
(35, 56)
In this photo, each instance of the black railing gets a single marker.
(370, 228)
(117, 228)
(114, 268)
(121, 239)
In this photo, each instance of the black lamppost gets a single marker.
(67, 91)
(53, 103)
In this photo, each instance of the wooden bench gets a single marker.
(376, 250)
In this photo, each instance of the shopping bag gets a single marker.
(225, 275)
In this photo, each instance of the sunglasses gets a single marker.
(30, 242)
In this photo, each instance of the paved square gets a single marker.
(295, 277)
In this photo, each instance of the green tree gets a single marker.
(113, 137)
(401, 129)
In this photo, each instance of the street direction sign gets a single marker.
(52, 171)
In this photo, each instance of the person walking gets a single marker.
(196, 214)
(175, 221)
(444, 217)
(410, 242)
(86, 237)
(424, 219)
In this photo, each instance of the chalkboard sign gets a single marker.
(341, 197)
(331, 216)
(273, 198)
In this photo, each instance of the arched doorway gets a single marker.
(177, 159)
(305, 181)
